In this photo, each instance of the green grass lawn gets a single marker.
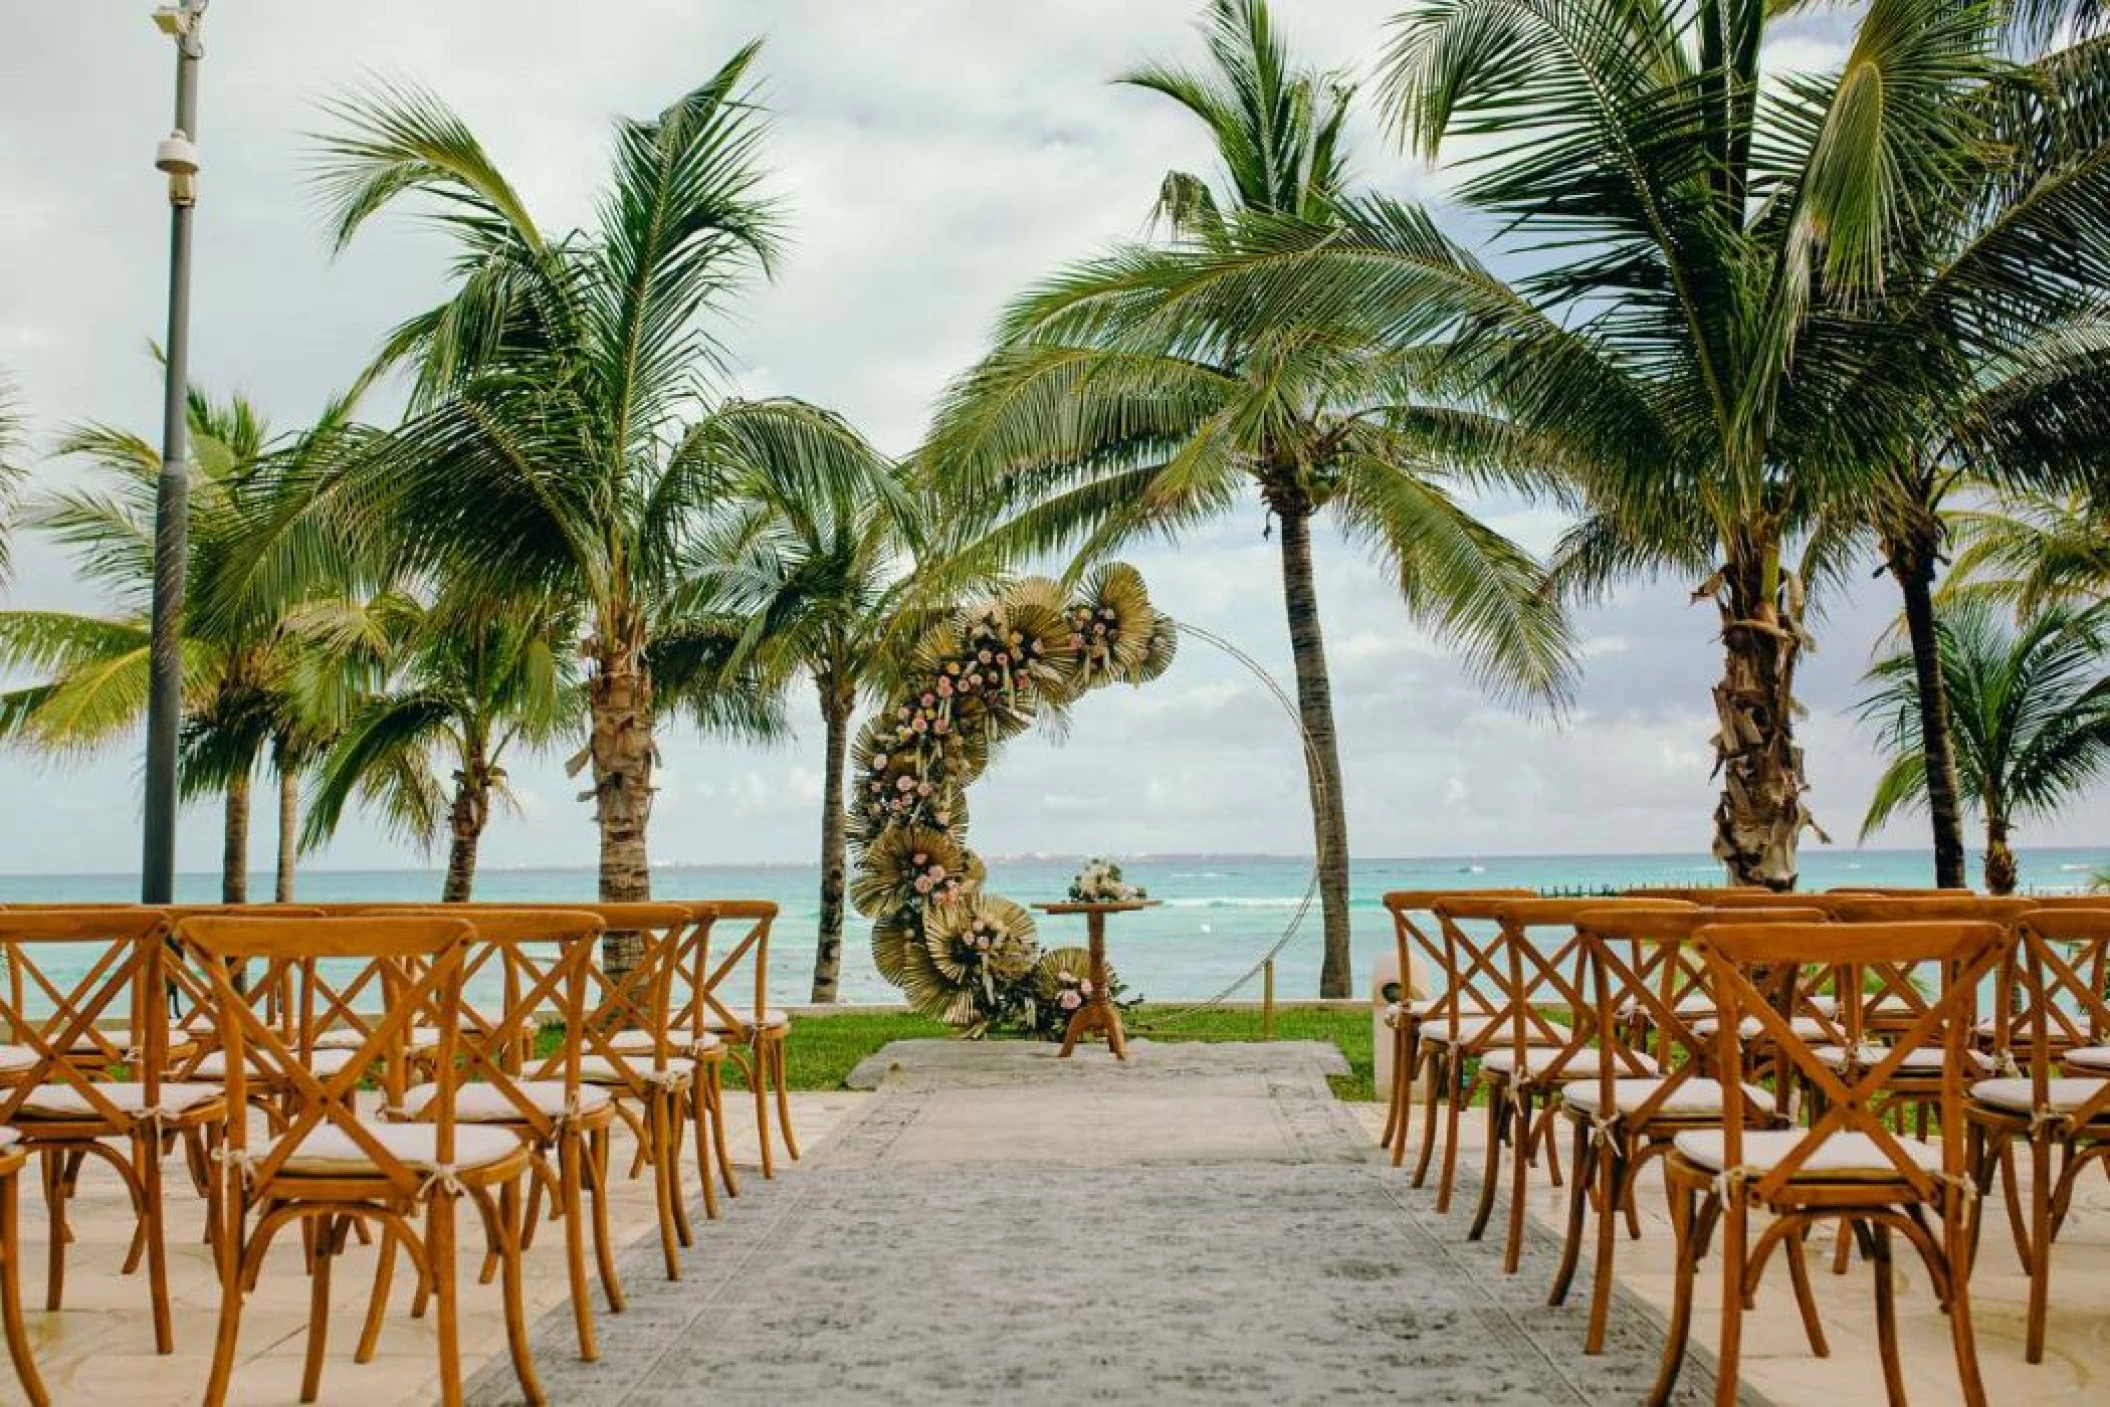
(824, 1048)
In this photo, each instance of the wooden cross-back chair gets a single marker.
(1544, 1035)
(1889, 999)
(547, 959)
(2053, 1005)
(333, 1164)
(1459, 1033)
(1849, 1164)
(1421, 954)
(763, 1030)
(84, 1076)
(1638, 962)
(695, 1033)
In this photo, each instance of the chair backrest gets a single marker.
(1965, 952)
(1723, 896)
(1539, 978)
(84, 992)
(418, 963)
(1420, 942)
(2062, 1000)
(748, 923)
(547, 961)
(1640, 961)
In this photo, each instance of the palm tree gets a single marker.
(2031, 708)
(240, 660)
(810, 579)
(474, 680)
(1108, 413)
(1697, 337)
(2029, 550)
(561, 442)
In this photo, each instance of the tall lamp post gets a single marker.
(178, 156)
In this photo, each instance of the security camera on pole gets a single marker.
(178, 157)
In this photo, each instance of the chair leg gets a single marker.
(515, 1308)
(1805, 1297)
(571, 1198)
(377, 1302)
(760, 1081)
(780, 1070)
(11, 1295)
(231, 1292)
(1578, 1212)
(1961, 1332)
(1614, 1177)
(1524, 1126)
(662, 1187)
(52, 1168)
(439, 1248)
(674, 1119)
(1887, 1316)
(146, 1150)
(1735, 1243)
(699, 1120)
(1398, 1083)
(1452, 1110)
(1499, 1115)
(603, 1235)
(2038, 1262)
(1684, 1226)
(318, 1309)
(1439, 1075)
(727, 1178)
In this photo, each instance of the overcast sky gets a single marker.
(936, 156)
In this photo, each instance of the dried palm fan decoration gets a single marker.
(977, 678)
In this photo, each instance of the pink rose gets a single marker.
(1069, 1001)
(922, 884)
(1085, 986)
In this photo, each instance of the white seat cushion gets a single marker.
(1843, 1157)
(2088, 1057)
(600, 1070)
(323, 1063)
(1503, 1061)
(1808, 1028)
(1921, 1061)
(1470, 1028)
(339, 1038)
(1693, 1099)
(480, 1103)
(684, 1042)
(331, 1152)
(2014, 1095)
(772, 1019)
(9, 1138)
(16, 1058)
(61, 1101)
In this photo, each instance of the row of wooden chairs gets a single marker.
(185, 1021)
(1770, 1051)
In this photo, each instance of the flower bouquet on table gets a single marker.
(1100, 882)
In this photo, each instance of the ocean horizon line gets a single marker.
(1049, 857)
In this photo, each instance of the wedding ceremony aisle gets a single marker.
(1204, 1223)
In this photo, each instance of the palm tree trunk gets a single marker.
(2002, 874)
(622, 752)
(1329, 812)
(465, 823)
(1912, 562)
(1759, 820)
(288, 829)
(234, 843)
(836, 704)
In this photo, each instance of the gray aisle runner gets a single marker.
(1205, 1224)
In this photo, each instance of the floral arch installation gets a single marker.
(977, 679)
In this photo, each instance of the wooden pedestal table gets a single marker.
(1098, 1012)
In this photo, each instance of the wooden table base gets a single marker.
(1098, 1012)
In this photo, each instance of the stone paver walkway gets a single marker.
(1205, 1224)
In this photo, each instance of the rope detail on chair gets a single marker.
(444, 1178)
(2046, 1117)
(1604, 1129)
(238, 1164)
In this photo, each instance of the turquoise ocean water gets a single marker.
(1221, 914)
